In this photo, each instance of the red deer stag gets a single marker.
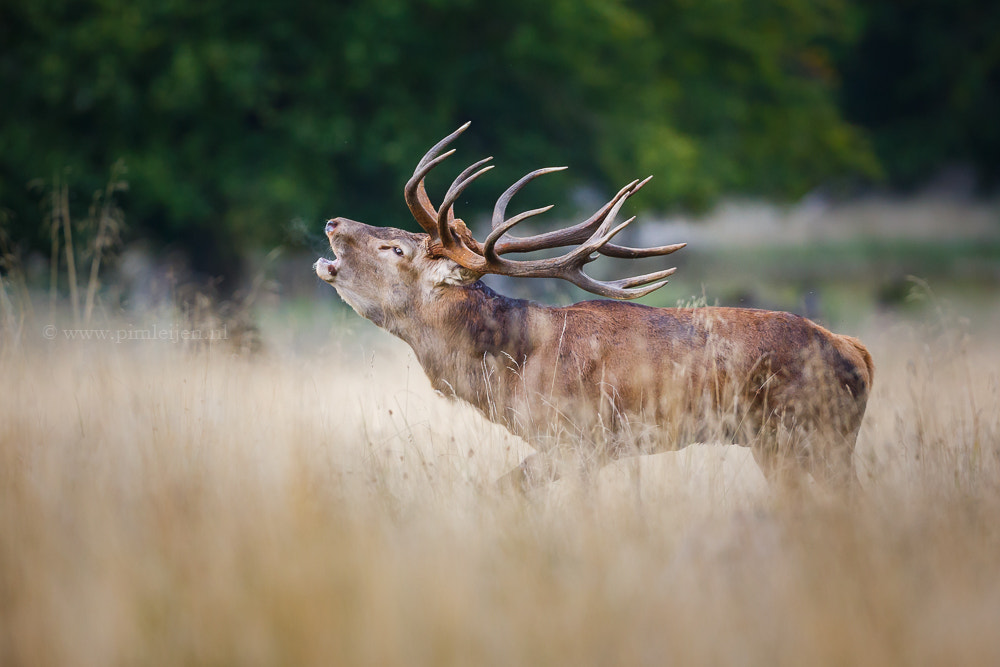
(600, 378)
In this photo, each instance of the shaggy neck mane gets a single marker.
(453, 335)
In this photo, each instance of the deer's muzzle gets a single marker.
(326, 269)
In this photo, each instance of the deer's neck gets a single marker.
(470, 340)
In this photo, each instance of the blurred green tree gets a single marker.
(235, 118)
(924, 80)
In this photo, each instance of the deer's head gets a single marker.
(384, 273)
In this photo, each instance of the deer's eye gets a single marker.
(395, 248)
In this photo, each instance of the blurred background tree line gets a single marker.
(237, 118)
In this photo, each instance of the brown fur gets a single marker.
(607, 379)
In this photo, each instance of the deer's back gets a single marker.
(615, 360)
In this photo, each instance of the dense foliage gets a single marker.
(236, 118)
(924, 80)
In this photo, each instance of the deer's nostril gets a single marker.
(331, 225)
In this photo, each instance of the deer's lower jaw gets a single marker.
(326, 269)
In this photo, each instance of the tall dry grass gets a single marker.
(165, 504)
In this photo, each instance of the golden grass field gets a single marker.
(165, 503)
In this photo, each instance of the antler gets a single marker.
(452, 239)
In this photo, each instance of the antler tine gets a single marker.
(571, 235)
(499, 225)
(615, 289)
(599, 243)
(625, 288)
(500, 210)
(461, 182)
(458, 184)
(439, 146)
(415, 193)
(624, 252)
(488, 246)
(601, 235)
(582, 231)
(422, 170)
(416, 196)
(570, 265)
(635, 281)
(574, 259)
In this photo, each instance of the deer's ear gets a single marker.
(447, 272)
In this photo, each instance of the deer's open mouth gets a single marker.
(326, 269)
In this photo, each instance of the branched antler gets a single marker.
(591, 237)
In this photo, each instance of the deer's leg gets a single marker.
(782, 467)
(556, 463)
(535, 470)
(832, 463)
